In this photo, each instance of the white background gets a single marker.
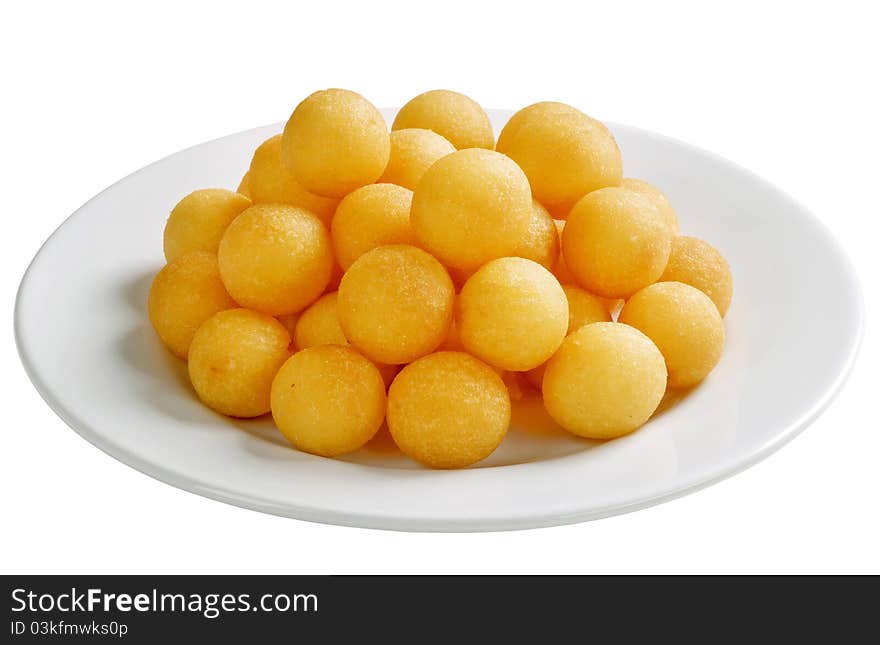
(94, 90)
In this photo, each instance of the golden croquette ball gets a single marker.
(564, 153)
(701, 265)
(184, 294)
(275, 258)
(660, 201)
(335, 141)
(512, 313)
(541, 243)
(583, 309)
(244, 186)
(455, 117)
(270, 182)
(371, 216)
(319, 324)
(233, 358)
(199, 220)
(471, 207)
(413, 151)
(395, 304)
(605, 381)
(448, 410)
(615, 242)
(328, 400)
(684, 323)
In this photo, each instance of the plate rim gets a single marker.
(457, 525)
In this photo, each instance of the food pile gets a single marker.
(424, 277)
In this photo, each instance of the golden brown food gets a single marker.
(198, 221)
(615, 242)
(395, 304)
(324, 288)
(457, 118)
(328, 400)
(371, 216)
(448, 410)
(275, 258)
(335, 141)
(512, 313)
(605, 381)
(564, 153)
(233, 358)
(471, 207)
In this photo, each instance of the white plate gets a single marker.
(793, 331)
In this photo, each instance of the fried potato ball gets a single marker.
(199, 220)
(564, 153)
(701, 265)
(328, 400)
(371, 216)
(319, 324)
(413, 151)
(275, 258)
(660, 201)
(395, 304)
(471, 207)
(270, 182)
(684, 323)
(335, 141)
(448, 410)
(615, 242)
(583, 309)
(605, 381)
(233, 358)
(512, 313)
(184, 294)
(542, 242)
(455, 117)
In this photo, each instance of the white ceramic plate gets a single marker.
(792, 334)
